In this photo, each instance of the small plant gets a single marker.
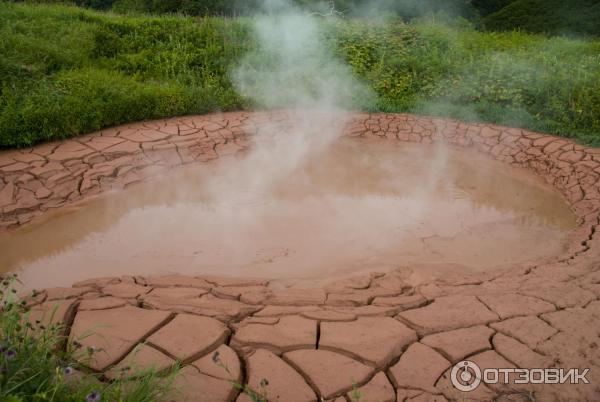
(38, 364)
(355, 395)
(255, 396)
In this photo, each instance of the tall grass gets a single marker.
(66, 71)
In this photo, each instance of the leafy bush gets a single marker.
(38, 364)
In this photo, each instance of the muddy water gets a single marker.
(359, 205)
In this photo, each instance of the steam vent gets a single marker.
(322, 309)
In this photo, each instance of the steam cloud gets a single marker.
(294, 70)
(291, 69)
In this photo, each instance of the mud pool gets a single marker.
(358, 206)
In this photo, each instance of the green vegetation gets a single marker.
(38, 364)
(406, 8)
(574, 17)
(66, 71)
(555, 17)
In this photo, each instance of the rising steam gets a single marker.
(291, 69)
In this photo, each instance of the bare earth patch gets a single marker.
(393, 337)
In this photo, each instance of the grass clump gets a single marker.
(38, 364)
(66, 71)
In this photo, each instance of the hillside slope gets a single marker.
(548, 16)
(66, 71)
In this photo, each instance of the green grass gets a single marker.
(66, 71)
(38, 364)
